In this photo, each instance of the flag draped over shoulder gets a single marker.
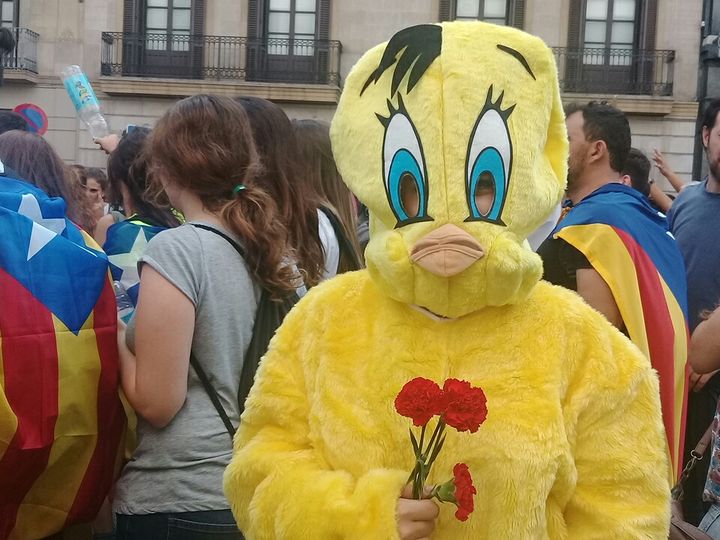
(628, 244)
(61, 420)
(125, 244)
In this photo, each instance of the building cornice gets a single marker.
(641, 105)
(179, 88)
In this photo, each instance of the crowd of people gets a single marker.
(224, 201)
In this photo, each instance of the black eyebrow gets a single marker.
(518, 56)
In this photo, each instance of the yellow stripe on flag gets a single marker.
(618, 272)
(8, 420)
(76, 434)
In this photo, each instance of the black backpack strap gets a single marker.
(343, 241)
(212, 394)
(232, 242)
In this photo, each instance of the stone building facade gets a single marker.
(141, 55)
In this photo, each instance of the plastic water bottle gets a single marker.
(125, 306)
(84, 99)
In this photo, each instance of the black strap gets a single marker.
(343, 241)
(211, 392)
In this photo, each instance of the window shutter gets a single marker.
(197, 40)
(649, 25)
(132, 42)
(131, 10)
(323, 29)
(573, 54)
(517, 18)
(575, 24)
(198, 13)
(255, 8)
(447, 10)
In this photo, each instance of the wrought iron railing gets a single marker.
(615, 71)
(166, 55)
(24, 56)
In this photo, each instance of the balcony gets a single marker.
(21, 64)
(172, 64)
(633, 72)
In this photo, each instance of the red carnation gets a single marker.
(464, 491)
(465, 405)
(420, 399)
(459, 490)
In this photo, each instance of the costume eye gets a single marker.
(489, 161)
(404, 170)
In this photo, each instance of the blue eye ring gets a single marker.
(488, 161)
(404, 164)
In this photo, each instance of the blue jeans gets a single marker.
(711, 522)
(207, 525)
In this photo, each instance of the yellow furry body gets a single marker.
(572, 447)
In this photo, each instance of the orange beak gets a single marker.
(446, 251)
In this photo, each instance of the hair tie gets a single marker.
(237, 189)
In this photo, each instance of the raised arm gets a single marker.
(661, 163)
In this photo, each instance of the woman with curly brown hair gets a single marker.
(198, 295)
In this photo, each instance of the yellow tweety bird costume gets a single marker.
(453, 135)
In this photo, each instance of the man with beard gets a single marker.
(614, 249)
(693, 217)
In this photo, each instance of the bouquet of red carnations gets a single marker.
(457, 404)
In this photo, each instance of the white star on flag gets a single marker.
(44, 229)
(128, 261)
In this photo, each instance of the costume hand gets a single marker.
(697, 381)
(660, 162)
(108, 143)
(416, 519)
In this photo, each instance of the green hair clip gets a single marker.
(237, 189)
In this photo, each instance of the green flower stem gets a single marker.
(438, 427)
(422, 438)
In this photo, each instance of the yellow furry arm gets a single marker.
(279, 484)
(613, 417)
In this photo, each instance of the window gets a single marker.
(291, 20)
(609, 24)
(163, 38)
(9, 13)
(168, 19)
(492, 11)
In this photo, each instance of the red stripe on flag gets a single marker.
(29, 353)
(98, 477)
(660, 333)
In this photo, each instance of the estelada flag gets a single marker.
(125, 243)
(628, 243)
(61, 419)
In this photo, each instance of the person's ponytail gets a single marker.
(253, 217)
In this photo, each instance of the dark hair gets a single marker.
(281, 178)
(637, 167)
(710, 114)
(98, 175)
(204, 144)
(321, 174)
(77, 182)
(11, 120)
(606, 123)
(37, 163)
(128, 165)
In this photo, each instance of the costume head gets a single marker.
(453, 136)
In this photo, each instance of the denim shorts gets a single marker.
(711, 522)
(206, 525)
